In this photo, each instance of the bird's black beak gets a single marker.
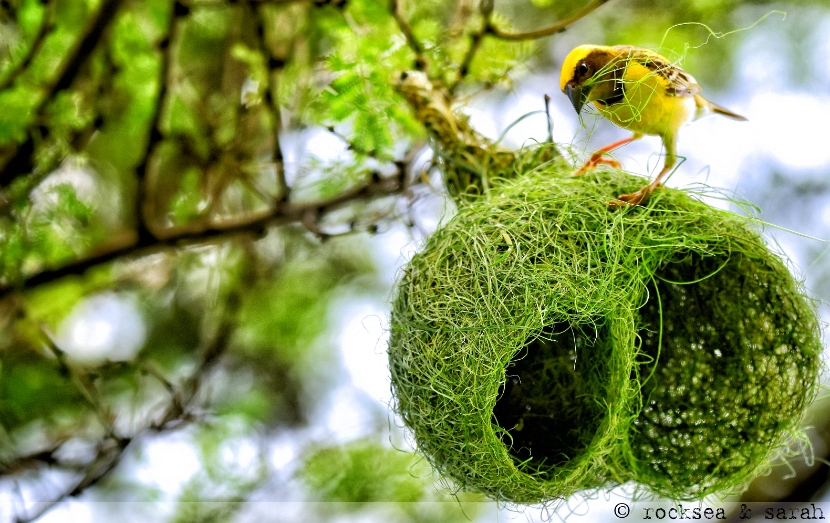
(576, 96)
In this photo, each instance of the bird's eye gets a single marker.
(582, 68)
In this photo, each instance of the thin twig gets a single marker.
(547, 31)
(463, 10)
(360, 150)
(32, 460)
(86, 389)
(273, 65)
(44, 30)
(548, 119)
(486, 8)
(143, 205)
(107, 457)
(21, 161)
(175, 415)
(150, 369)
(177, 410)
(78, 139)
(411, 40)
(225, 3)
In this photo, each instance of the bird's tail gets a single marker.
(708, 107)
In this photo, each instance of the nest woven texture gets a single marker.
(543, 343)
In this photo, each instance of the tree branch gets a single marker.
(175, 415)
(32, 460)
(411, 40)
(225, 3)
(21, 162)
(9, 9)
(351, 146)
(44, 30)
(85, 388)
(107, 457)
(547, 31)
(177, 410)
(77, 139)
(201, 232)
(486, 8)
(143, 207)
(273, 65)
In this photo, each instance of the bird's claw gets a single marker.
(597, 159)
(635, 198)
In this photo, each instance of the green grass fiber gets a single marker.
(544, 343)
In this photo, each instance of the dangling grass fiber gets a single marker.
(543, 343)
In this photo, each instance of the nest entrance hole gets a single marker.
(550, 405)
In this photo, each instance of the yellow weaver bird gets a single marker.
(638, 90)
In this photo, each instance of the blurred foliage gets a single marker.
(288, 310)
(362, 473)
(164, 157)
(217, 493)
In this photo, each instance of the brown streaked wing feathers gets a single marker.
(680, 82)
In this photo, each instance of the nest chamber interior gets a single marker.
(543, 343)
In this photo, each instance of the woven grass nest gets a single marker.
(544, 344)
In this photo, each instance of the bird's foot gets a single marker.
(596, 159)
(635, 198)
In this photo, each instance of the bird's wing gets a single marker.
(680, 83)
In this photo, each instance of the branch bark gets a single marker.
(133, 245)
(547, 31)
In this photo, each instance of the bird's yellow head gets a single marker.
(583, 64)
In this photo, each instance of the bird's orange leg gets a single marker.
(641, 195)
(597, 157)
(644, 192)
